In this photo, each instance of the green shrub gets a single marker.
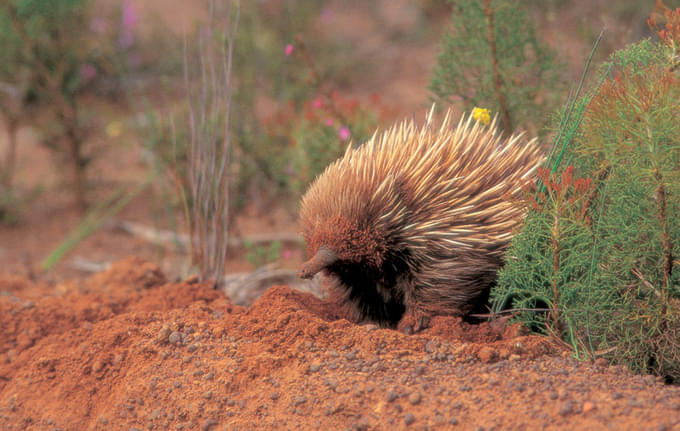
(492, 58)
(598, 255)
(51, 58)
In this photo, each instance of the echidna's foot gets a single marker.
(413, 321)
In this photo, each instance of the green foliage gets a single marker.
(598, 255)
(50, 59)
(280, 141)
(260, 255)
(492, 58)
(318, 135)
(266, 75)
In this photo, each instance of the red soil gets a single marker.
(127, 350)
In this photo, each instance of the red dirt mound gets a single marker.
(127, 350)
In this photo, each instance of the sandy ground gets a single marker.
(125, 350)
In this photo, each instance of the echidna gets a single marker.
(415, 221)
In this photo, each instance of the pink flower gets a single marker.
(88, 71)
(344, 133)
(287, 254)
(317, 103)
(129, 20)
(329, 122)
(289, 50)
(129, 16)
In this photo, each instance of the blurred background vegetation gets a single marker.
(96, 136)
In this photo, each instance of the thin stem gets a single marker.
(497, 79)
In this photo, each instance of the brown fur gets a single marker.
(417, 217)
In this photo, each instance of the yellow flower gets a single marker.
(482, 115)
(114, 129)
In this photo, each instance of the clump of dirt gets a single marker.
(127, 350)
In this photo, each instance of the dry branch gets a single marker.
(167, 238)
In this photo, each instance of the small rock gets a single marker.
(552, 395)
(409, 418)
(175, 338)
(431, 346)
(207, 395)
(300, 400)
(487, 354)
(391, 396)
(414, 398)
(164, 335)
(514, 357)
(566, 408)
(205, 426)
(453, 421)
(274, 395)
(314, 368)
(588, 406)
(192, 348)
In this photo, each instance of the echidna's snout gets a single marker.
(322, 259)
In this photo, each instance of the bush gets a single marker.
(491, 57)
(599, 254)
(50, 58)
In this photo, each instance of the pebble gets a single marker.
(300, 400)
(409, 418)
(164, 334)
(431, 346)
(207, 395)
(566, 408)
(414, 398)
(391, 396)
(175, 337)
(274, 395)
(487, 354)
(207, 424)
(192, 348)
(588, 406)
